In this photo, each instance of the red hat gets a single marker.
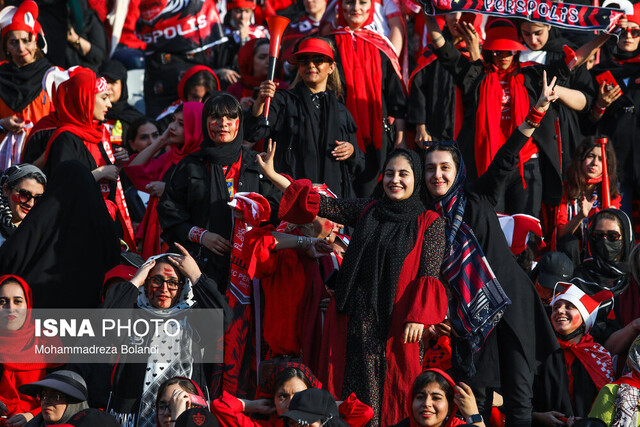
(588, 306)
(22, 18)
(241, 4)
(312, 45)
(516, 229)
(502, 34)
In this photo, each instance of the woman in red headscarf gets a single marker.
(436, 400)
(17, 340)
(374, 91)
(81, 105)
(184, 136)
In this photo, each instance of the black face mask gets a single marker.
(606, 250)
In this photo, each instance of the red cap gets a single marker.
(241, 4)
(312, 45)
(502, 34)
(635, 18)
(22, 18)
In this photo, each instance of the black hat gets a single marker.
(552, 268)
(311, 405)
(92, 418)
(199, 417)
(68, 382)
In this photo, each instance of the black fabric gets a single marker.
(120, 110)
(524, 334)
(306, 136)
(36, 145)
(196, 195)
(394, 104)
(94, 32)
(19, 86)
(66, 244)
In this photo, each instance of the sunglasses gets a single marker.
(157, 282)
(635, 32)
(610, 235)
(25, 196)
(504, 52)
(316, 59)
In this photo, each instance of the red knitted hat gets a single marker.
(22, 18)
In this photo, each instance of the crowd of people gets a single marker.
(404, 220)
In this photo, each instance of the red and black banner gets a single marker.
(564, 15)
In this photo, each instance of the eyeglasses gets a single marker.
(51, 397)
(158, 281)
(504, 52)
(316, 59)
(162, 407)
(25, 196)
(610, 235)
(633, 32)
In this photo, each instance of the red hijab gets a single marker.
(74, 100)
(245, 65)
(15, 374)
(451, 420)
(359, 51)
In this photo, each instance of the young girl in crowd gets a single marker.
(147, 172)
(583, 195)
(569, 381)
(22, 185)
(436, 401)
(142, 133)
(176, 395)
(316, 133)
(387, 283)
(377, 102)
(523, 337)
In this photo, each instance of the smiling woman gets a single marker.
(22, 186)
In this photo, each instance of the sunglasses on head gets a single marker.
(316, 59)
(610, 235)
(633, 32)
(25, 196)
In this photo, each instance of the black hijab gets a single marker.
(19, 86)
(120, 110)
(384, 236)
(596, 273)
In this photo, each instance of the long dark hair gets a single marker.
(576, 183)
(334, 84)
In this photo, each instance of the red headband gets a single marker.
(101, 85)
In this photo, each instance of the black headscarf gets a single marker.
(383, 238)
(597, 273)
(120, 110)
(19, 86)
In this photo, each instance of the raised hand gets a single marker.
(548, 94)
(186, 264)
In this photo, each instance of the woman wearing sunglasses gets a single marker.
(315, 132)
(22, 186)
(165, 286)
(611, 240)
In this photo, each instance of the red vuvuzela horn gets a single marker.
(277, 25)
(606, 194)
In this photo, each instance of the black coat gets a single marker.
(190, 199)
(526, 315)
(306, 136)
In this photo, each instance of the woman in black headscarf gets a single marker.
(606, 267)
(388, 282)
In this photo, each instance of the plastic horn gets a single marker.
(606, 194)
(277, 25)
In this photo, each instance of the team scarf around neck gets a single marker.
(478, 302)
(594, 357)
(563, 15)
(626, 403)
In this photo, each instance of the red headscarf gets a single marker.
(76, 114)
(149, 229)
(190, 73)
(451, 420)
(245, 65)
(14, 374)
(359, 51)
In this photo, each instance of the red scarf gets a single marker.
(360, 55)
(150, 225)
(451, 420)
(632, 378)
(489, 136)
(593, 356)
(74, 100)
(15, 374)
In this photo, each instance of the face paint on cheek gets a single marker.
(15, 198)
(576, 321)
